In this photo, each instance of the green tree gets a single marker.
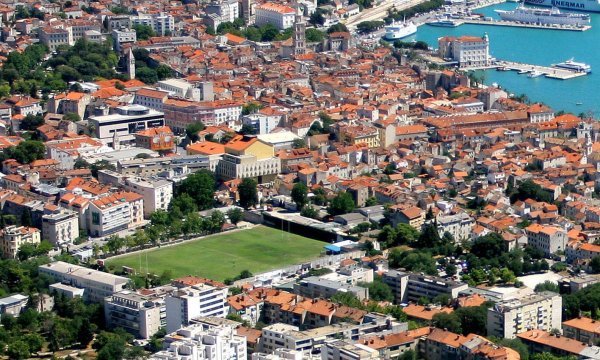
(146, 74)
(429, 237)
(143, 32)
(201, 187)
(248, 193)
(378, 290)
(193, 129)
(26, 218)
(406, 234)
(248, 129)
(341, 204)
(71, 116)
(235, 215)
(18, 350)
(184, 203)
(447, 321)
(489, 246)
(595, 264)
(515, 344)
(314, 35)
(300, 195)
(250, 108)
(309, 212)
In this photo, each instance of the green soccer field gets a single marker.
(225, 255)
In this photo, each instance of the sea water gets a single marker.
(537, 47)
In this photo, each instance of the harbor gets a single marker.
(495, 22)
(552, 72)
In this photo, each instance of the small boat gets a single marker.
(578, 103)
(523, 72)
(535, 74)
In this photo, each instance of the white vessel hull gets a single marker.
(579, 5)
(542, 19)
(400, 31)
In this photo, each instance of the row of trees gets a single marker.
(267, 32)
(25, 152)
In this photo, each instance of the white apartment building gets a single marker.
(179, 88)
(195, 301)
(281, 16)
(194, 342)
(157, 194)
(459, 226)
(140, 315)
(115, 212)
(154, 99)
(160, 23)
(60, 227)
(125, 123)
(13, 237)
(262, 124)
(549, 239)
(274, 337)
(123, 36)
(97, 285)
(541, 311)
(468, 51)
(345, 350)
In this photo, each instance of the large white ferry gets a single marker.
(574, 66)
(401, 30)
(579, 5)
(544, 16)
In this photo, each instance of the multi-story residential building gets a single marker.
(162, 24)
(97, 285)
(578, 251)
(153, 99)
(412, 287)
(316, 287)
(586, 330)
(160, 139)
(195, 342)
(13, 305)
(13, 237)
(60, 226)
(360, 134)
(345, 350)
(281, 16)
(123, 124)
(79, 27)
(412, 216)
(539, 341)
(468, 51)
(541, 311)
(459, 226)
(180, 88)
(115, 212)
(442, 344)
(72, 102)
(181, 113)
(199, 300)
(67, 151)
(123, 36)
(140, 315)
(157, 194)
(548, 239)
(262, 124)
(118, 22)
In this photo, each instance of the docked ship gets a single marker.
(574, 66)
(445, 21)
(579, 5)
(543, 16)
(401, 30)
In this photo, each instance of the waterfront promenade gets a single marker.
(495, 22)
(548, 71)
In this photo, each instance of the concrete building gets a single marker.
(97, 285)
(199, 300)
(412, 287)
(582, 329)
(281, 16)
(12, 237)
(539, 341)
(122, 37)
(345, 350)
(154, 99)
(60, 227)
(459, 226)
(316, 287)
(160, 139)
(412, 216)
(262, 124)
(199, 91)
(195, 342)
(115, 212)
(468, 51)
(13, 305)
(123, 124)
(138, 314)
(548, 239)
(157, 194)
(540, 311)
(55, 37)
(248, 157)
(162, 24)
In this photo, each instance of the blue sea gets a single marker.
(538, 47)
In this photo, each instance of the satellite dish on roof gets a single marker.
(155, 140)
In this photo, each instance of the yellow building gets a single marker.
(248, 157)
(353, 135)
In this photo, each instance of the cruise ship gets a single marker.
(574, 66)
(544, 16)
(401, 30)
(579, 5)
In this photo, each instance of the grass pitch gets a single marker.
(225, 255)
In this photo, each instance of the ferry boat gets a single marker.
(401, 30)
(579, 5)
(544, 16)
(574, 66)
(445, 21)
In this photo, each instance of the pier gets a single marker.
(524, 25)
(548, 71)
